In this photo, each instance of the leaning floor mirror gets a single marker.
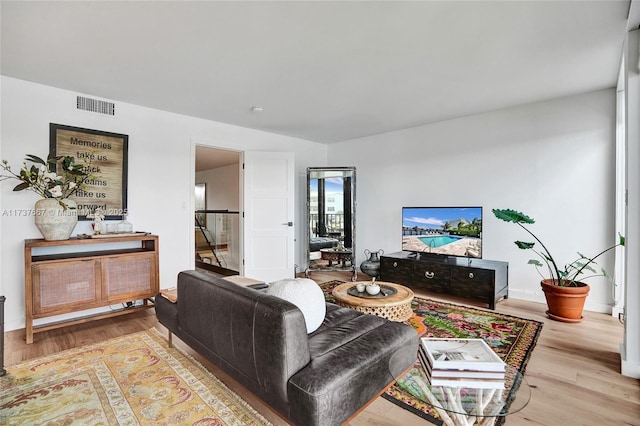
(331, 213)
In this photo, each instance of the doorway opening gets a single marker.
(217, 206)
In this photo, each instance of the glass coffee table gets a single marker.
(467, 406)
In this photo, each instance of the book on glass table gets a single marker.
(460, 354)
(462, 378)
(457, 373)
(467, 383)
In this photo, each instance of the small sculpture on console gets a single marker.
(98, 221)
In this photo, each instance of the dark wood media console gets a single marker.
(481, 280)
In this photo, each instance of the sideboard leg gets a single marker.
(29, 332)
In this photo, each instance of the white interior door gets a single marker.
(268, 207)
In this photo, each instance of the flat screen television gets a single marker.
(445, 231)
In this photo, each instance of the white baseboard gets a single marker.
(629, 369)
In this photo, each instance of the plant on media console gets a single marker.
(568, 274)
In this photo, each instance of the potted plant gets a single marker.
(55, 214)
(563, 289)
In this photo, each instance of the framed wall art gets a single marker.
(105, 153)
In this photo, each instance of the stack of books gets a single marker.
(461, 363)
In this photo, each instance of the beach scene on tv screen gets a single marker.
(453, 231)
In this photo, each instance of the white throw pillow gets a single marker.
(306, 295)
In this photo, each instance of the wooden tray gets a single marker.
(114, 235)
(384, 292)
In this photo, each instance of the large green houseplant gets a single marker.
(564, 282)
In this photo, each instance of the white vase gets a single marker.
(373, 289)
(53, 221)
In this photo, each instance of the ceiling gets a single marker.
(322, 71)
(212, 158)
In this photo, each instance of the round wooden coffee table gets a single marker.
(395, 307)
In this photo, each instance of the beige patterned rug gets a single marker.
(130, 380)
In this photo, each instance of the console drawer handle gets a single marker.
(429, 275)
(470, 274)
(395, 264)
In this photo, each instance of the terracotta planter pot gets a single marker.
(565, 303)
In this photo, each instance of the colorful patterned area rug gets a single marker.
(130, 380)
(512, 338)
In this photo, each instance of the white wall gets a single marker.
(554, 161)
(223, 187)
(160, 183)
(630, 351)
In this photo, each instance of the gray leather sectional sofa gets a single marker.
(322, 378)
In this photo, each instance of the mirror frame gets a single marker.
(344, 172)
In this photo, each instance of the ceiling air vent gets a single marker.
(96, 105)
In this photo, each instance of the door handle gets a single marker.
(288, 223)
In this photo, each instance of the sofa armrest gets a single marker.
(259, 339)
(353, 373)
(166, 312)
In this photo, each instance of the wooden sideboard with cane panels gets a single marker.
(81, 274)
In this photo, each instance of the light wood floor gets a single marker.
(574, 371)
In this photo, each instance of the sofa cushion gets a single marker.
(306, 295)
